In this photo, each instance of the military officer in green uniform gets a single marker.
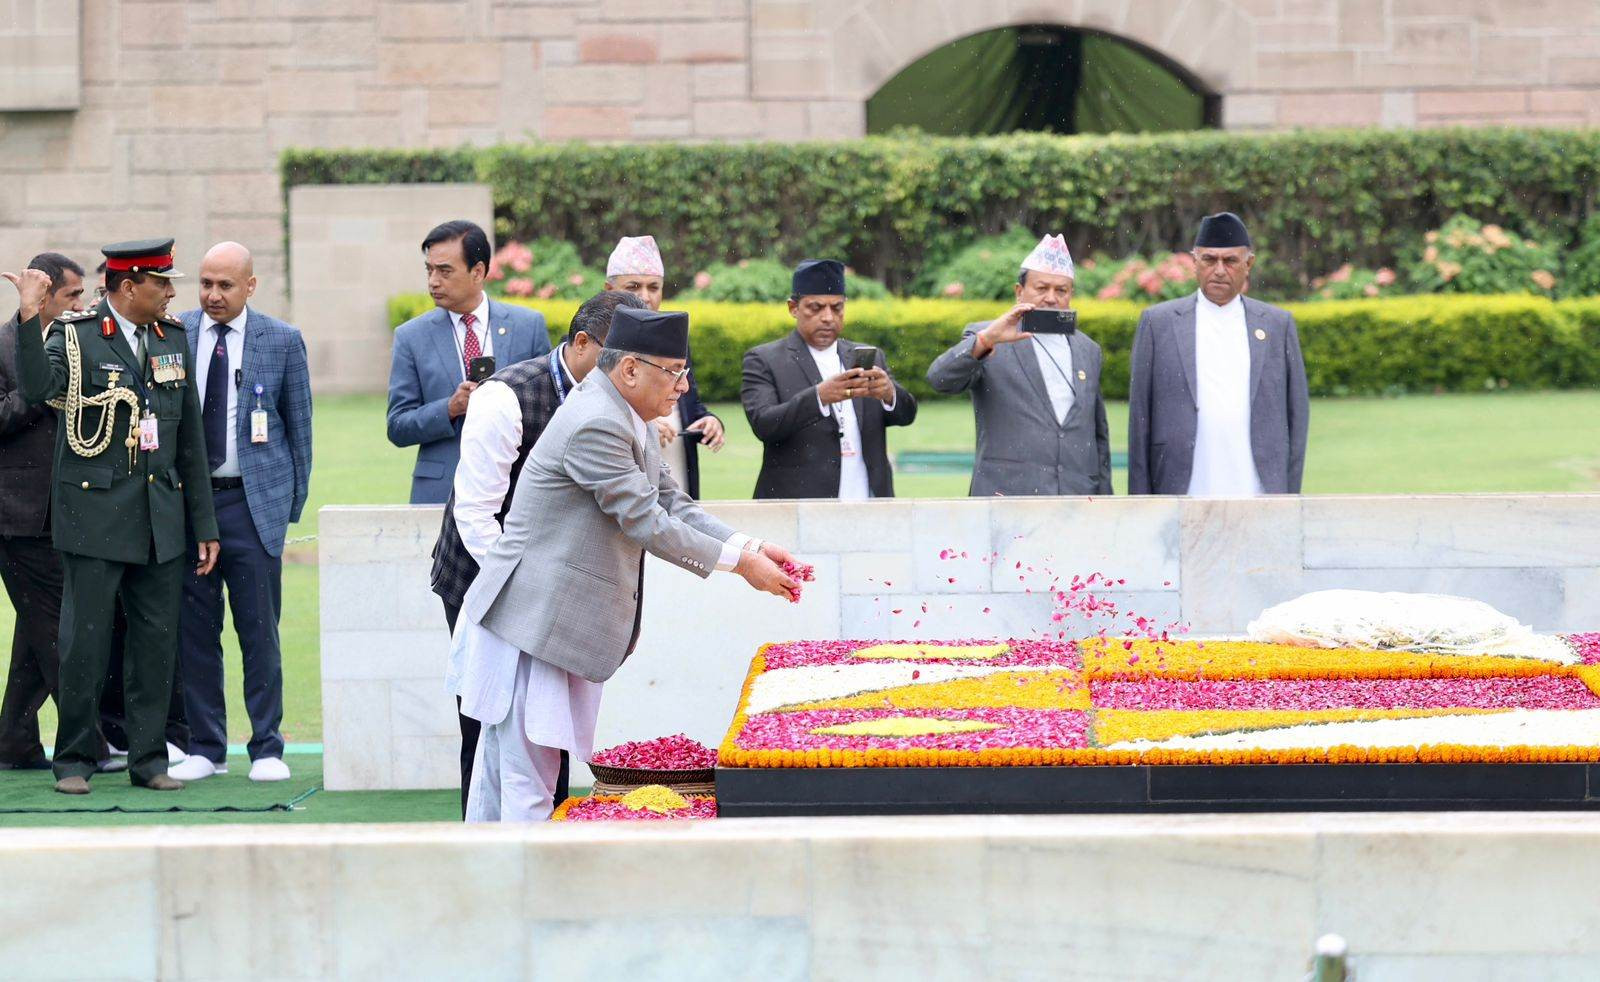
(130, 468)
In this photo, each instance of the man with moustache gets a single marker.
(635, 267)
(429, 370)
(820, 418)
(1217, 403)
(556, 608)
(130, 467)
(509, 412)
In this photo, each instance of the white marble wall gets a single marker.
(1470, 896)
(1213, 564)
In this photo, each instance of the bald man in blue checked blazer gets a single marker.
(259, 483)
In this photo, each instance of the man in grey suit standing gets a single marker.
(1041, 419)
(430, 375)
(1217, 405)
(555, 609)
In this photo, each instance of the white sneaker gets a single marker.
(174, 755)
(116, 762)
(269, 769)
(117, 751)
(195, 767)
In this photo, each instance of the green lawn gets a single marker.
(1490, 442)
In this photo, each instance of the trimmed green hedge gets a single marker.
(892, 206)
(1354, 347)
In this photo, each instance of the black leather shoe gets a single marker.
(37, 764)
(73, 785)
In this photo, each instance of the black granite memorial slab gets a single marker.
(743, 792)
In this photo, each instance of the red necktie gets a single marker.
(469, 346)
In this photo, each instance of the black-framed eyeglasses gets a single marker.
(676, 376)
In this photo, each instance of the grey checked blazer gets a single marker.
(1163, 393)
(1022, 448)
(563, 581)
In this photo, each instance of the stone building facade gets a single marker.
(123, 118)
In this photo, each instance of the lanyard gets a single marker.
(555, 372)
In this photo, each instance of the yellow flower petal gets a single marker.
(905, 726)
(914, 652)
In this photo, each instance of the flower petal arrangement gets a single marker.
(985, 702)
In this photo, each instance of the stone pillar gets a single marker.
(352, 247)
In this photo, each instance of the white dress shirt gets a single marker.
(480, 327)
(1054, 353)
(1224, 464)
(853, 482)
(130, 334)
(491, 437)
(234, 342)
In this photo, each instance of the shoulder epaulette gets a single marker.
(75, 315)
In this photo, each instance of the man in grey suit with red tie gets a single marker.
(256, 414)
(431, 374)
(1218, 404)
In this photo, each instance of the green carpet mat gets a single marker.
(33, 792)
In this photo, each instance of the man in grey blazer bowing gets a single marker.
(555, 609)
(1041, 419)
(1217, 404)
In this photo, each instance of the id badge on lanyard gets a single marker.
(847, 447)
(258, 420)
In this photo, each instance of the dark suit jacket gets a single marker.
(692, 409)
(277, 474)
(27, 447)
(1163, 410)
(800, 456)
(423, 374)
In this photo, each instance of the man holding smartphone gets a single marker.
(820, 404)
(1035, 385)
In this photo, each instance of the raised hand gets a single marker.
(1004, 329)
(33, 287)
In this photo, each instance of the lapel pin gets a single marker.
(1083, 376)
(502, 330)
(1260, 334)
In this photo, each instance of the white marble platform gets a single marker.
(1474, 896)
(1211, 563)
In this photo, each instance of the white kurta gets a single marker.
(1054, 353)
(1224, 464)
(853, 482)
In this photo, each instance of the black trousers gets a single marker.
(31, 569)
(254, 579)
(470, 728)
(113, 715)
(150, 594)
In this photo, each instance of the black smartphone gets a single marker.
(691, 436)
(864, 357)
(1043, 321)
(480, 368)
